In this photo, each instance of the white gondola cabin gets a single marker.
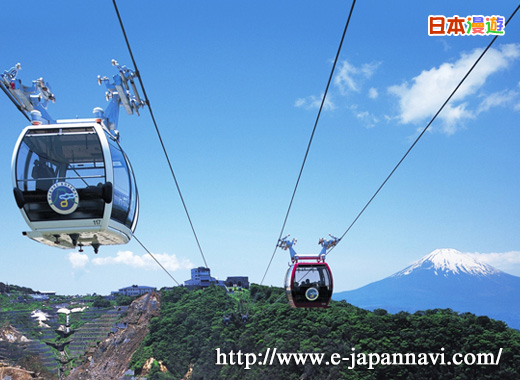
(74, 185)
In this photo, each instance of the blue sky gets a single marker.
(235, 86)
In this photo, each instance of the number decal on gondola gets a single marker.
(63, 198)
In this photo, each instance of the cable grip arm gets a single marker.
(120, 91)
(328, 244)
(28, 98)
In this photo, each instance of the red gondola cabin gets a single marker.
(309, 284)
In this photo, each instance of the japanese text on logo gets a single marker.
(476, 25)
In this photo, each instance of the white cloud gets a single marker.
(300, 102)
(368, 119)
(444, 43)
(314, 102)
(170, 262)
(372, 93)
(348, 77)
(501, 98)
(422, 98)
(506, 261)
(78, 260)
(344, 78)
(454, 117)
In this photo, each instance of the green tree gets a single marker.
(101, 302)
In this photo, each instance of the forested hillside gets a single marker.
(183, 340)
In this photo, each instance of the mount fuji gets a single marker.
(445, 278)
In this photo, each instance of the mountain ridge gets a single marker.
(445, 278)
(449, 260)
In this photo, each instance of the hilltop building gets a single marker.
(135, 290)
(47, 292)
(240, 281)
(201, 278)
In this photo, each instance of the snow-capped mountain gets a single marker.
(445, 278)
(449, 261)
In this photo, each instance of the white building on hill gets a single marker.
(201, 277)
(135, 290)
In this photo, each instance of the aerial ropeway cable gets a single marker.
(147, 101)
(282, 242)
(285, 244)
(425, 128)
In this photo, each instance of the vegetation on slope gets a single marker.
(15, 289)
(184, 339)
(50, 345)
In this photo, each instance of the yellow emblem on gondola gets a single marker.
(63, 198)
